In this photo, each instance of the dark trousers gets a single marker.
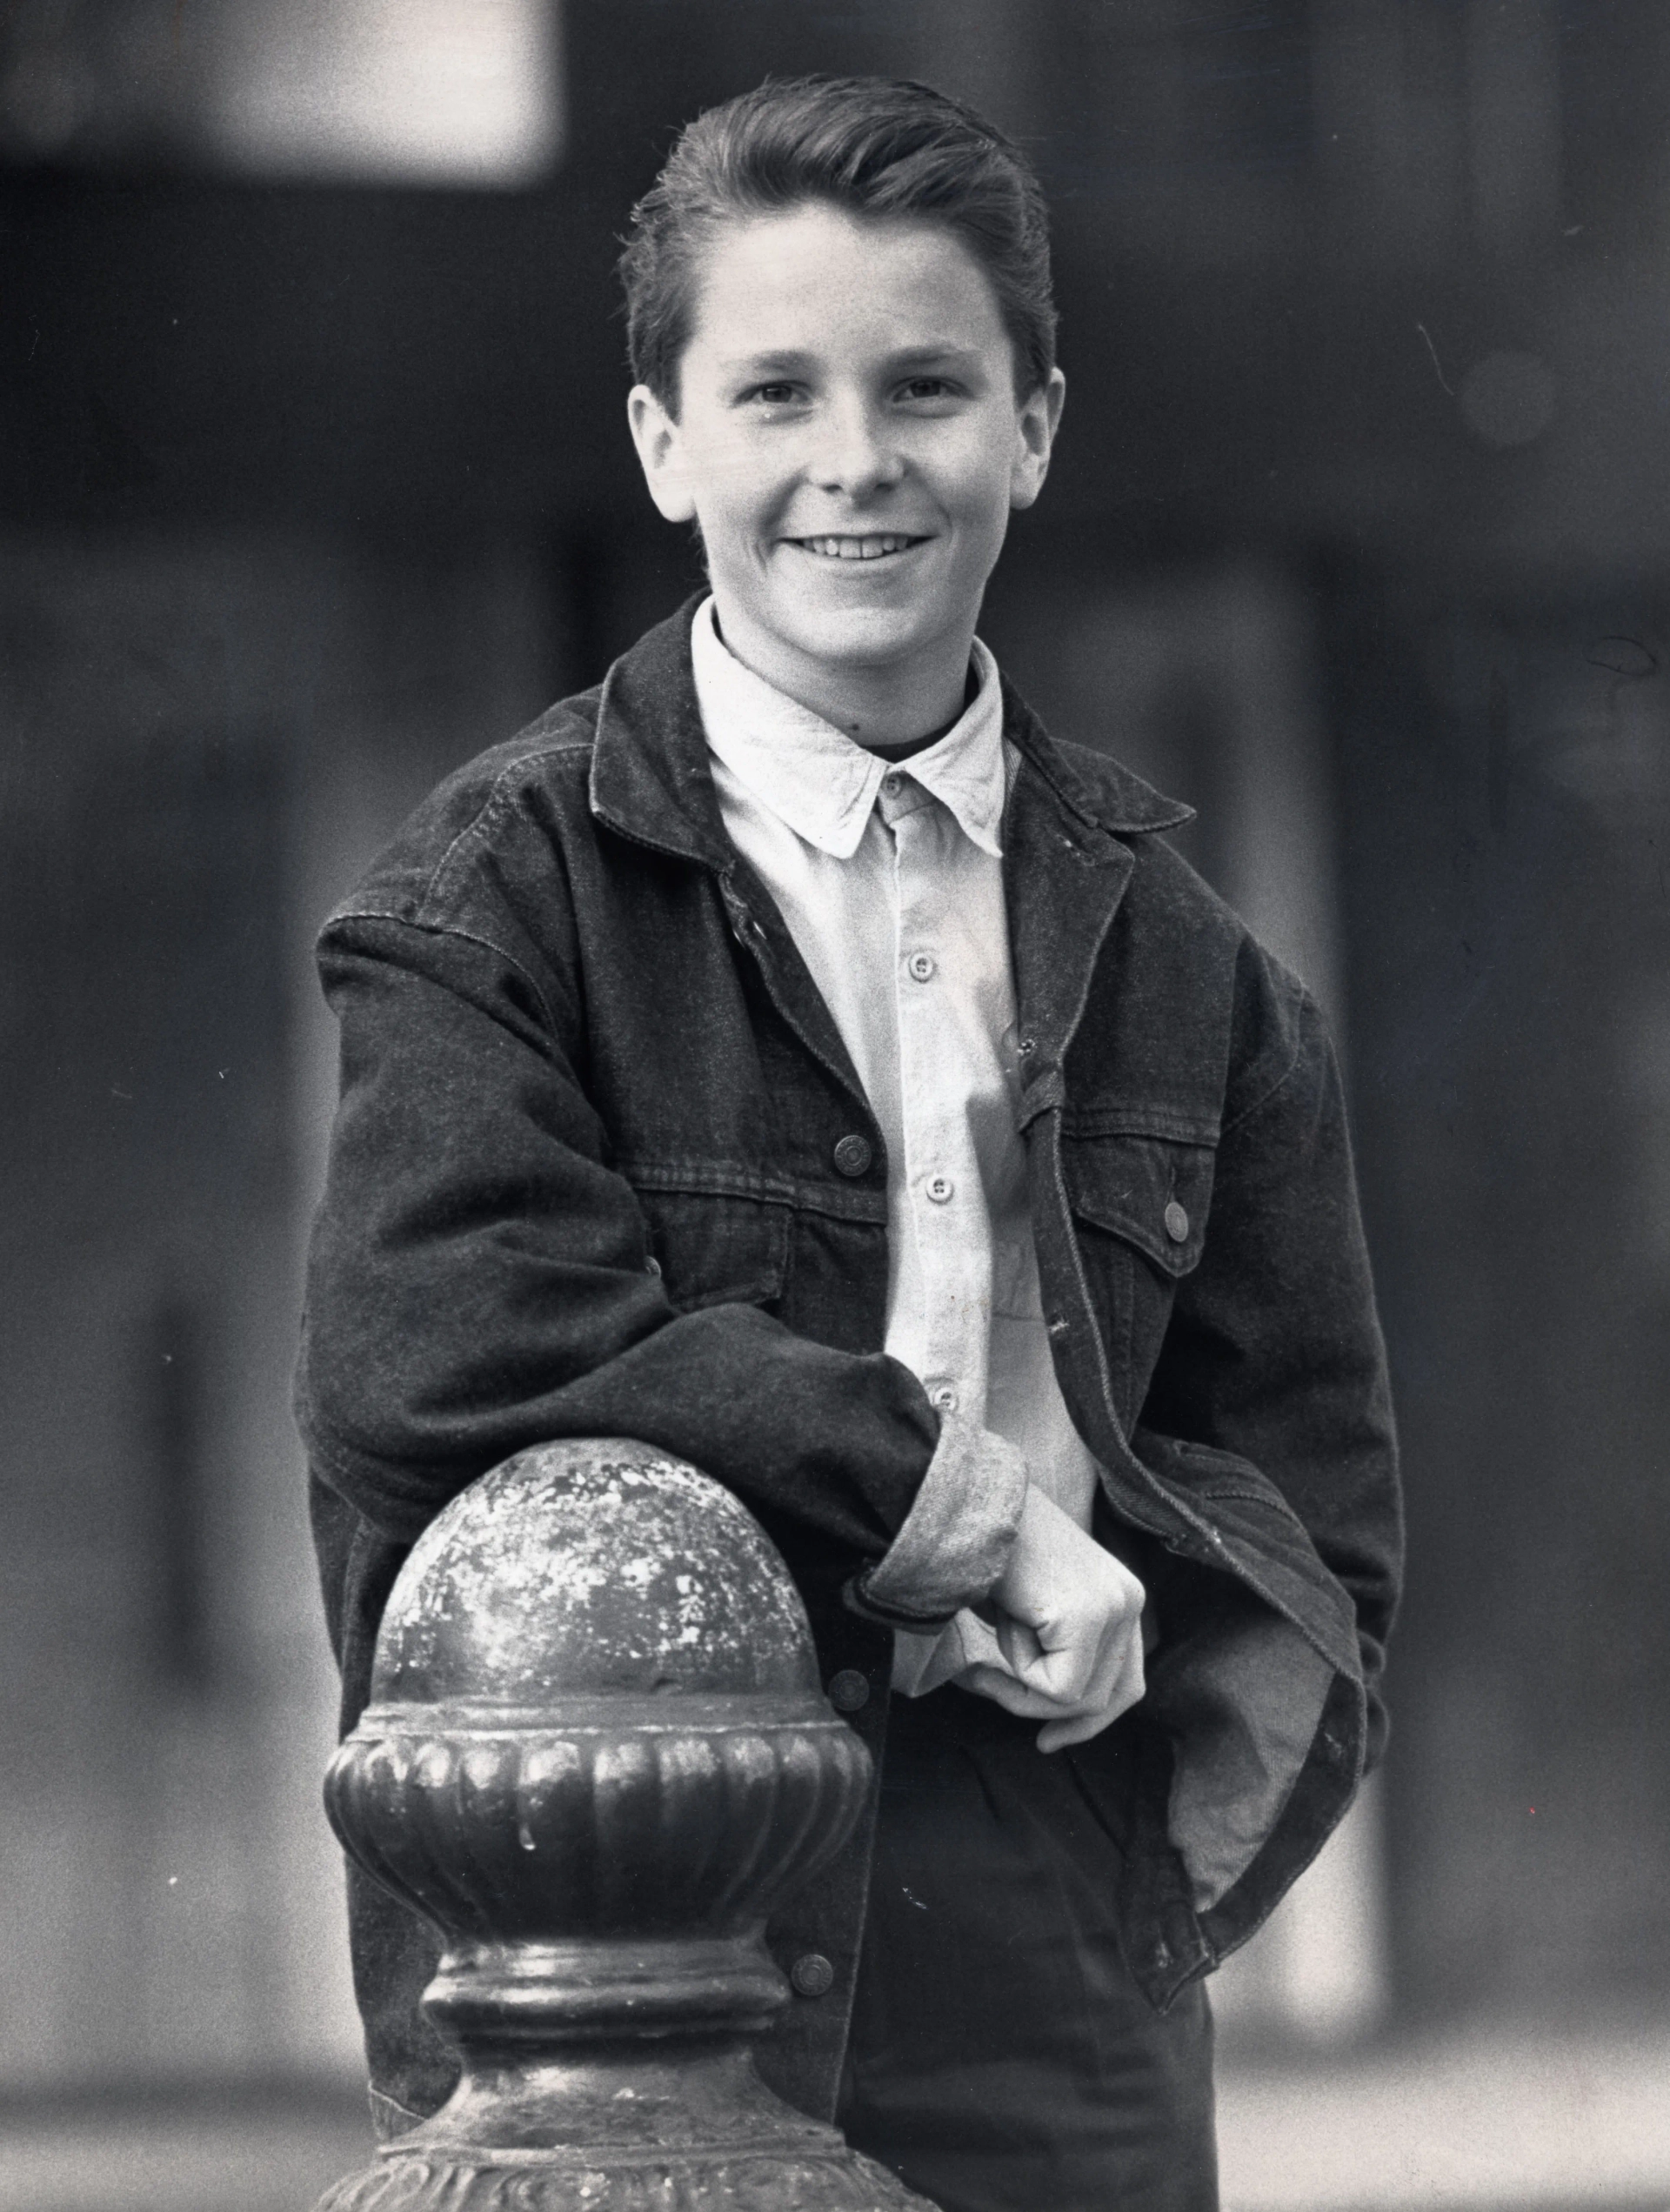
(1002, 2059)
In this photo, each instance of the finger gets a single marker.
(1018, 1643)
(1060, 1657)
(1068, 1673)
(1014, 1696)
(1057, 1734)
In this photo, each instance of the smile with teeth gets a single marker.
(870, 548)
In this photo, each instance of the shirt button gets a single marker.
(848, 1690)
(1177, 1223)
(941, 1189)
(893, 784)
(944, 1396)
(921, 965)
(813, 1975)
(853, 1155)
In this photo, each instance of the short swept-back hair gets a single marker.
(882, 148)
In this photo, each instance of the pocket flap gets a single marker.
(1151, 1191)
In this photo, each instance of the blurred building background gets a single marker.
(314, 481)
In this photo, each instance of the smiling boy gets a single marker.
(849, 425)
(785, 1053)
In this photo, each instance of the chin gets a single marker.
(860, 636)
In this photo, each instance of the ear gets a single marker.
(660, 451)
(1038, 419)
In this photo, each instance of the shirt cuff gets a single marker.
(957, 1537)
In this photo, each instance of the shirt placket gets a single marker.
(944, 1201)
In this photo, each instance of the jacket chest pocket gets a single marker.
(1139, 1206)
(715, 1248)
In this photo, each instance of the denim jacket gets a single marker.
(585, 1181)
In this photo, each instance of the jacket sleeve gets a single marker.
(480, 1279)
(1275, 1351)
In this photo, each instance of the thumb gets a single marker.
(1018, 1643)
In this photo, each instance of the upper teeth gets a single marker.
(856, 548)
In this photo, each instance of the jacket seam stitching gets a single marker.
(793, 1195)
(465, 937)
(1266, 1097)
(1172, 1260)
(490, 807)
(705, 1178)
(1095, 1124)
(1103, 1372)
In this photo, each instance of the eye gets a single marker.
(927, 389)
(771, 395)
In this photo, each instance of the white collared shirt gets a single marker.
(889, 877)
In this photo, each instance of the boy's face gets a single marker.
(849, 440)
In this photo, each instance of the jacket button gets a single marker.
(853, 1155)
(1177, 1223)
(813, 1976)
(848, 1690)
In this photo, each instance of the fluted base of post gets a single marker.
(835, 2179)
(664, 2124)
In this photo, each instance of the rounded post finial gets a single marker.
(597, 1756)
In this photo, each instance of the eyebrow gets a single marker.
(790, 361)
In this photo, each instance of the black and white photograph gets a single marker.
(835, 968)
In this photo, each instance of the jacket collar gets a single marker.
(652, 782)
(649, 777)
(1102, 796)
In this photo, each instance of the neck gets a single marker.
(889, 710)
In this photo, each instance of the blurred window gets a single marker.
(409, 91)
(445, 92)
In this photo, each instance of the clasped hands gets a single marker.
(1067, 1616)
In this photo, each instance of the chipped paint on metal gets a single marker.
(589, 1567)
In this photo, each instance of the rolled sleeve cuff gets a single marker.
(957, 1537)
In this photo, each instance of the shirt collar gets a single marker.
(816, 780)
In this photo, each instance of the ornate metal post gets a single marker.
(597, 1756)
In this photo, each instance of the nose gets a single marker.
(855, 455)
